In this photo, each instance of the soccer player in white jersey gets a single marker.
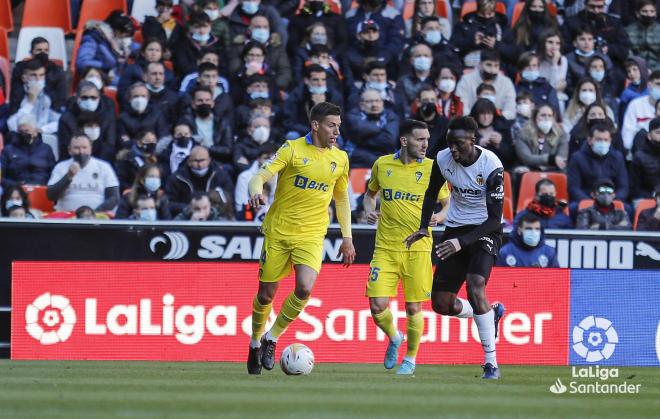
(473, 232)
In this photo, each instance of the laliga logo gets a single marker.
(178, 244)
(50, 310)
(601, 339)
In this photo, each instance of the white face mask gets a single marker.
(92, 132)
(213, 14)
(524, 109)
(545, 126)
(489, 97)
(139, 104)
(96, 81)
(261, 134)
(447, 85)
(126, 42)
(587, 97)
(260, 35)
(40, 83)
(422, 63)
(148, 214)
(88, 105)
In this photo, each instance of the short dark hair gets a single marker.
(543, 182)
(643, 3)
(600, 127)
(318, 49)
(250, 45)
(409, 125)
(38, 40)
(207, 67)
(529, 217)
(120, 22)
(428, 19)
(144, 197)
(526, 58)
(141, 133)
(33, 64)
(490, 55)
(198, 195)
(88, 118)
(582, 30)
(465, 123)
(312, 68)
(655, 75)
(198, 19)
(81, 211)
(256, 78)
(321, 110)
(200, 88)
(424, 88)
(524, 94)
(482, 106)
(485, 86)
(372, 65)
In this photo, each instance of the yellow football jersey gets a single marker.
(307, 177)
(402, 188)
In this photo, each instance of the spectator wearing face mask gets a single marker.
(147, 184)
(425, 9)
(531, 81)
(649, 219)
(241, 194)
(161, 96)
(163, 26)
(25, 158)
(55, 85)
(534, 19)
(587, 92)
(541, 145)
(644, 34)
(603, 215)
(584, 44)
(367, 48)
(641, 111)
(94, 114)
(313, 12)
(15, 203)
(301, 100)
(209, 77)
(387, 19)
(527, 247)
(596, 160)
(189, 48)
(174, 149)
(546, 207)
(258, 107)
(593, 114)
(431, 34)
(372, 129)
(106, 45)
(421, 60)
(274, 54)
(445, 83)
(338, 74)
(219, 26)
(375, 77)
(254, 80)
(129, 160)
(608, 81)
(83, 180)
(36, 100)
(239, 19)
(140, 116)
(637, 76)
(524, 108)
(197, 174)
(145, 209)
(493, 132)
(248, 148)
(645, 168)
(428, 108)
(200, 209)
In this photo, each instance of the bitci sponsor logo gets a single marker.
(202, 311)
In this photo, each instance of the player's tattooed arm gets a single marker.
(430, 198)
(494, 206)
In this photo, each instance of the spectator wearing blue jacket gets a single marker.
(106, 45)
(527, 248)
(532, 82)
(388, 20)
(637, 74)
(372, 129)
(596, 160)
(26, 159)
(546, 207)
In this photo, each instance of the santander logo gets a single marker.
(50, 319)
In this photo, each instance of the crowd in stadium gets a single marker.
(169, 119)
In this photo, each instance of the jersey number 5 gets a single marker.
(373, 274)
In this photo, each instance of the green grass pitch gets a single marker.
(55, 389)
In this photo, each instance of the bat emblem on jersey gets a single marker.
(450, 171)
(333, 167)
(305, 160)
(480, 180)
(389, 172)
(418, 176)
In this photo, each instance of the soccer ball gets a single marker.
(297, 359)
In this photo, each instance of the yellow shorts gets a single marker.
(414, 268)
(278, 256)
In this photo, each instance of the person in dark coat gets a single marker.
(372, 129)
(163, 26)
(197, 174)
(530, 81)
(208, 77)
(596, 160)
(189, 48)
(649, 219)
(527, 247)
(248, 148)
(148, 182)
(444, 52)
(239, 19)
(130, 160)
(315, 11)
(493, 133)
(375, 76)
(301, 100)
(645, 168)
(95, 115)
(428, 108)
(141, 116)
(26, 159)
(603, 214)
(55, 87)
(367, 48)
(546, 206)
(161, 96)
(387, 19)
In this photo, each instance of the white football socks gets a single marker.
(466, 311)
(255, 343)
(486, 326)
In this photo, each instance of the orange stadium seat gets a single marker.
(55, 13)
(4, 68)
(4, 44)
(508, 209)
(98, 9)
(471, 6)
(508, 189)
(6, 15)
(359, 178)
(38, 199)
(641, 206)
(528, 187)
(586, 203)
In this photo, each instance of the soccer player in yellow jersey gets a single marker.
(401, 179)
(311, 171)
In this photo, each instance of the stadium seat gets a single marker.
(55, 37)
(99, 9)
(6, 15)
(49, 13)
(508, 209)
(641, 206)
(586, 203)
(359, 178)
(528, 186)
(471, 6)
(142, 9)
(4, 68)
(508, 189)
(4, 44)
(60, 215)
(38, 199)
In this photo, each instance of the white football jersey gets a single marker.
(468, 193)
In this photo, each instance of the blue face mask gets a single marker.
(655, 93)
(317, 90)
(584, 54)
(152, 183)
(148, 215)
(202, 38)
(433, 37)
(250, 7)
(530, 75)
(260, 35)
(259, 95)
(600, 147)
(531, 237)
(377, 86)
(597, 75)
(422, 63)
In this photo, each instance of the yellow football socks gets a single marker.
(415, 332)
(260, 315)
(385, 321)
(290, 310)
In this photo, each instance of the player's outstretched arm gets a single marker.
(256, 188)
(430, 197)
(343, 206)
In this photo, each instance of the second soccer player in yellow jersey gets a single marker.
(401, 179)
